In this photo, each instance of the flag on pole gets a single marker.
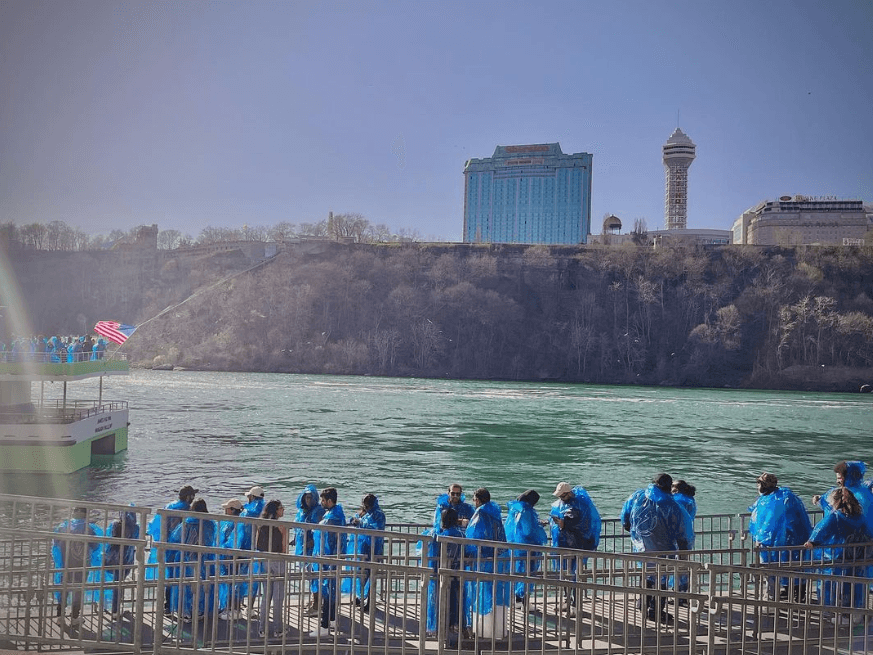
(114, 331)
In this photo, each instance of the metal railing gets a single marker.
(58, 412)
(444, 596)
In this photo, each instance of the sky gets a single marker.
(224, 114)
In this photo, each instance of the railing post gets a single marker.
(139, 603)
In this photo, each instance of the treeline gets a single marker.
(58, 236)
(677, 315)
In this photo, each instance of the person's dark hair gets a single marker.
(683, 487)
(368, 502)
(329, 493)
(188, 492)
(843, 500)
(663, 481)
(199, 505)
(271, 509)
(449, 518)
(531, 497)
(841, 468)
(482, 494)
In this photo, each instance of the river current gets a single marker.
(406, 439)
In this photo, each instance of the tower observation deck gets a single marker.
(679, 152)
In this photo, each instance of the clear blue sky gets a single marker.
(188, 114)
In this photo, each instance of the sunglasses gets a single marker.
(454, 493)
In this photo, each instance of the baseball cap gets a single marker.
(562, 488)
(256, 491)
(233, 503)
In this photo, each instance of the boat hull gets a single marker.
(62, 448)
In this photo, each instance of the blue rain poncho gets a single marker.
(854, 482)
(486, 524)
(582, 522)
(154, 531)
(833, 537)
(252, 509)
(366, 547)
(76, 556)
(656, 522)
(443, 501)
(687, 503)
(453, 561)
(780, 519)
(329, 544)
(202, 532)
(118, 560)
(522, 526)
(227, 538)
(309, 510)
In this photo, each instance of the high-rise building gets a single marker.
(679, 152)
(528, 194)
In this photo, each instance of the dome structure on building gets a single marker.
(612, 224)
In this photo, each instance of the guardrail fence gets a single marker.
(450, 596)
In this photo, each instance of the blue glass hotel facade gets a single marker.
(528, 194)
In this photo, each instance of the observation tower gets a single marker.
(678, 155)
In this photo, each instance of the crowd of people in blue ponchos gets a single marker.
(54, 349)
(658, 517)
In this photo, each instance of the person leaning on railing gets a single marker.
(835, 537)
(272, 538)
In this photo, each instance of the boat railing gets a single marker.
(58, 412)
(52, 358)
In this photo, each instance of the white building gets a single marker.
(804, 220)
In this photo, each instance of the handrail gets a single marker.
(56, 412)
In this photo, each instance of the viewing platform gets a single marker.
(732, 603)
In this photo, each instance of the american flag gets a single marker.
(114, 331)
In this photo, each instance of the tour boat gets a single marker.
(57, 436)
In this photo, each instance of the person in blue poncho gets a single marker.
(309, 510)
(448, 528)
(118, 559)
(833, 538)
(851, 476)
(197, 567)
(779, 518)
(485, 598)
(366, 547)
(98, 350)
(683, 493)
(454, 498)
(230, 595)
(156, 532)
(575, 523)
(657, 523)
(329, 544)
(253, 509)
(71, 560)
(522, 526)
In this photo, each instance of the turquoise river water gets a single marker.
(406, 439)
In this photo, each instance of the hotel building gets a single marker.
(528, 194)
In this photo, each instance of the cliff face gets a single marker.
(729, 316)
